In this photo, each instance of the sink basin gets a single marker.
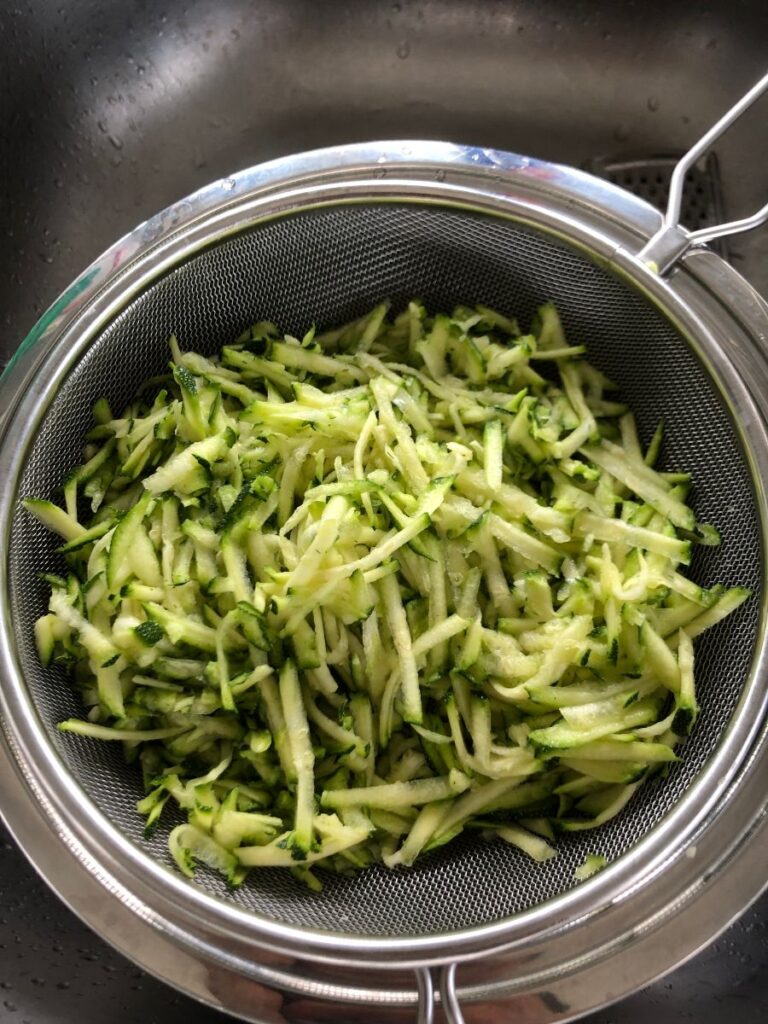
(113, 110)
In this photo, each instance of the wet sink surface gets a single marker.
(112, 111)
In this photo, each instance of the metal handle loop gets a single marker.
(448, 998)
(671, 241)
(426, 990)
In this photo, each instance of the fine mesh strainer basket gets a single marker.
(323, 237)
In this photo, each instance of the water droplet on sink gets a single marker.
(653, 103)
(116, 142)
(228, 184)
(403, 49)
(440, 175)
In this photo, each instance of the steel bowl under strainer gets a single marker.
(324, 249)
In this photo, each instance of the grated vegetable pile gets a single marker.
(347, 596)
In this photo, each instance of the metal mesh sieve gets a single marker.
(329, 265)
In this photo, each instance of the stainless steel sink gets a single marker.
(112, 110)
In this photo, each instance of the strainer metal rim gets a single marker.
(611, 245)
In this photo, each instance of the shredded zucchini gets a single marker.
(345, 596)
(593, 863)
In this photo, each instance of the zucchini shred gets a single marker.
(345, 597)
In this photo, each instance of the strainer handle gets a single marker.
(448, 998)
(426, 990)
(671, 241)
